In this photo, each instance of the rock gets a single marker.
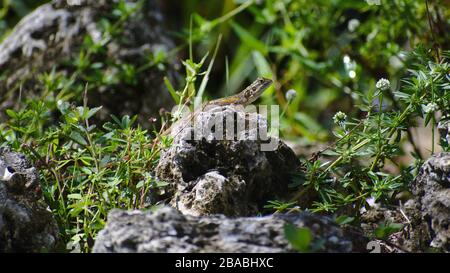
(51, 38)
(236, 177)
(444, 129)
(432, 190)
(409, 239)
(25, 223)
(425, 217)
(167, 230)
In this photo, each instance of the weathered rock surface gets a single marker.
(210, 174)
(425, 217)
(51, 38)
(444, 129)
(167, 230)
(25, 223)
(412, 237)
(432, 191)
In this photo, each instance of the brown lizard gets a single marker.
(244, 98)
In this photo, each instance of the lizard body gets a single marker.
(244, 98)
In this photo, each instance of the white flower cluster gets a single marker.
(339, 118)
(430, 108)
(383, 84)
(291, 94)
(353, 24)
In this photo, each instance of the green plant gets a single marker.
(384, 230)
(364, 145)
(332, 53)
(302, 239)
(85, 170)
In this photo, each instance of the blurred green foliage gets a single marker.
(329, 55)
(325, 50)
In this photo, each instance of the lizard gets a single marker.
(243, 98)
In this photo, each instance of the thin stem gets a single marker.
(435, 42)
(432, 134)
(409, 134)
(380, 144)
(234, 12)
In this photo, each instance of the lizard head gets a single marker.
(255, 90)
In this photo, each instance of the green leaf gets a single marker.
(344, 219)
(75, 196)
(92, 112)
(172, 91)
(300, 238)
(160, 184)
(86, 170)
(261, 64)
(140, 184)
(63, 106)
(11, 113)
(77, 208)
(384, 230)
(78, 138)
(402, 95)
(116, 120)
(201, 90)
(248, 39)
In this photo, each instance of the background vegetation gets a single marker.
(332, 53)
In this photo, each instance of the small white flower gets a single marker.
(430, 108)
(346, 59)
(383, 84)
(350, 65)
(353, 24)
(339, 118)
(291, 94)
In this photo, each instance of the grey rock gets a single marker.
(444, 129)
(25, 223)
(51, 37)
(432, 190)
(412, 238)
(167, 230)
(232, 177)
(426, 216)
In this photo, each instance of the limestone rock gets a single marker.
(211, 173)
(412, 237)
(167, 230)
(25, 223)
(432, 190)
(444, 129)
